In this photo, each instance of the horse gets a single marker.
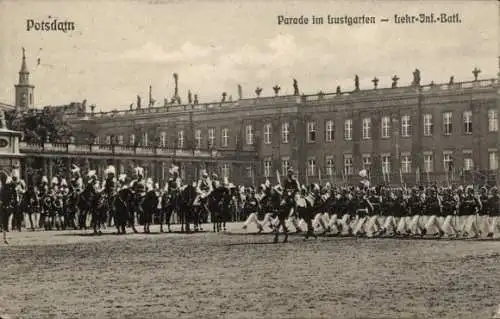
(85, 202)
(285, 207)
(189, 212)
(214, 205)
(70, 205)
(122, 209)
(149, 207)
(169, 204)
(99, 210)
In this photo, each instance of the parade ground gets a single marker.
(73, 274)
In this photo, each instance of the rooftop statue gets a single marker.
(276, 89)
(356, 83)
(295, 87)
(258, 90)
(395, 79)
(416, 78)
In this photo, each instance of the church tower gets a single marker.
(24, 91)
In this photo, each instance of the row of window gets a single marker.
(405, 162)
(312, 130)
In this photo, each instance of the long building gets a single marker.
(418, 133)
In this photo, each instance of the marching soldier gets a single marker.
(494, 212)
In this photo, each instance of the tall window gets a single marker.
(467, 122)
(285, 165)
(249, 171)
(348, 168)
(493, 160)
(197, 138)
(492, 120)
(311, 132)
(348, 130)
(428, 127)
(132, 139)
(267, 133)
(367, 125)
(447, 123)
(329, 131)
(211, 137)
(225, 137)
(311, 167)
(267, 167)
(145, 139)
(180, 139)
(406, 164)
(249, 135)
(120, 139)
(163, 139)
(386, 127)
(386, 164)
(225, 170)
(330, 166)
(367, 161)
(97, 140)
(447, 161)
(468, 162)
(285, 131)
(428, 163)
(108, 139)
(405, 126)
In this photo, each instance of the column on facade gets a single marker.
(50, 165)
(394, 176)
(417, 158)
(357, 159)
(478, 132)
(375, 167)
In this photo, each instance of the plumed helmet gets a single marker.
(157, 186)
(74, 169)
(45, 179)
(92, 174)
(110, 170)
(122, 178)
(290, 171)
(315, 187)
(15, 173)
(149, 180)
(262, 186)
(54, 180)
(63, 182)
(363, 173)
(328, 185)
(139, 171)
(267, 183)
(174, 169)
(204, 173)
(214, 176)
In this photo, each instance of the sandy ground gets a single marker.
(240, 275)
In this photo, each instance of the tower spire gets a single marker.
(24, 73)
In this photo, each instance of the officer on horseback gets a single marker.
(109, 192)
(138, 187)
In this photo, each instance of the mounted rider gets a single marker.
(76, 182)
(138, 187)
(204, 188)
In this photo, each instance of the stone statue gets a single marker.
(295, 87)
(195, 99)
(84, 106)
(258, 90)
(416, 77)
(190, 97)
(224, 94)
(338, 90)
(176, 80)
(375, 82)
(476, 72)
(131, 106)
(276, 89)
(356, 83)
(92, 108)
(3, 122)
(240, 92)
(395, 79)
(138, 102)
(452, 80)
(321, 94)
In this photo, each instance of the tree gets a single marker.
(40, 125)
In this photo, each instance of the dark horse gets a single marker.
(149, 207)
(188, 213)
(99, 209)
(122, 209)
(169, 204)
(85, 203)
(286, 205)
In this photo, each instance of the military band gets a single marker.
(362, 210)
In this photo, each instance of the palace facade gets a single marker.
(418, 133)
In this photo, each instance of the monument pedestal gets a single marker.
(9, 147)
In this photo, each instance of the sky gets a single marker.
(120, 48)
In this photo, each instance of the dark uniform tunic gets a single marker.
(432, 206)
(469, 205)
(493, 206)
